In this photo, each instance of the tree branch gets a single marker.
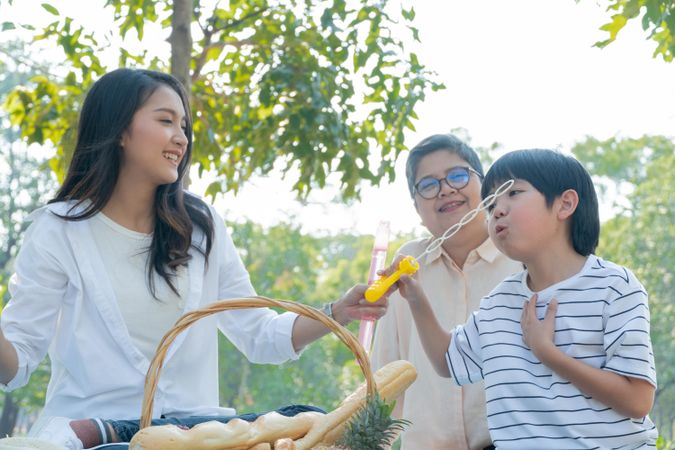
(211, 30)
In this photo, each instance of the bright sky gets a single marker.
(522, 73)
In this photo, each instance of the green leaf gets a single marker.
(372, 427)
(654, 17)
(617, 23)
(8, 26)
(631, 9)
(50, 9)
(213, 189)
(213, 53)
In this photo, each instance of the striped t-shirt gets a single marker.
(602, 320)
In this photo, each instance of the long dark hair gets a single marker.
(106, 114)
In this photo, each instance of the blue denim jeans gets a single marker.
(126, 429)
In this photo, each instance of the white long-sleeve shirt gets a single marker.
(62, 302)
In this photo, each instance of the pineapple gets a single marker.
(372, 427)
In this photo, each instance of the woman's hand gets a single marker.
(353, 306)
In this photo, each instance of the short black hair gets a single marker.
(552, 173)
(437, 142)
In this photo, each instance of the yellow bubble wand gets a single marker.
(409, 265)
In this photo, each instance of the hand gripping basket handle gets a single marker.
(242, 303)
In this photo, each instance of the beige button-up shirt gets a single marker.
(443, 415)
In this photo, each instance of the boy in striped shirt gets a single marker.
(563, 346)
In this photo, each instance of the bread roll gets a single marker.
(284, 444)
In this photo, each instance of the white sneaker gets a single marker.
(56, 430)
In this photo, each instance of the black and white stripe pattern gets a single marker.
(602, 320)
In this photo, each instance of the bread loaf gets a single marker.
(235, 435)
(391, 381)
(304, 431)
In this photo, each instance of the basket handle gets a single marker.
(188, 319)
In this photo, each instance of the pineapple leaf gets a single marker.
(372, 427)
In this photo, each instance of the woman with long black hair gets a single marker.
(119, 254)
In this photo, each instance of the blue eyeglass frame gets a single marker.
(449, 179)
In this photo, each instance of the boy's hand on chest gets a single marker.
(538, 334)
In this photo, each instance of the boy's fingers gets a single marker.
(405, 279)
(393, 267)
(529, 308)
(532, 306)
(397, 261)
(388, 270)
(552, 309)
(533, 302)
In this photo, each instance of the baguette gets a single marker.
(391, 381)
(304, 431)
(236, 434)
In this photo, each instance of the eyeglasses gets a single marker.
(457, 178)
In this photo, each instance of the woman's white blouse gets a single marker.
(62, 303)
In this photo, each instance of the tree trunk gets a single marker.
(181, 49)
(9, 414)
(181, 41)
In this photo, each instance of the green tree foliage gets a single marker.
(311, 87)
(286, 264)
(24, 184)
(656, 16)
(642, 237)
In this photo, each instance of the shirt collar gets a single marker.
(433, 255)
(487, 250)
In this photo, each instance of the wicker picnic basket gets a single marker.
(241, 303)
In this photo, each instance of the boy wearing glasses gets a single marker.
(444, 177)
(563, 347)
